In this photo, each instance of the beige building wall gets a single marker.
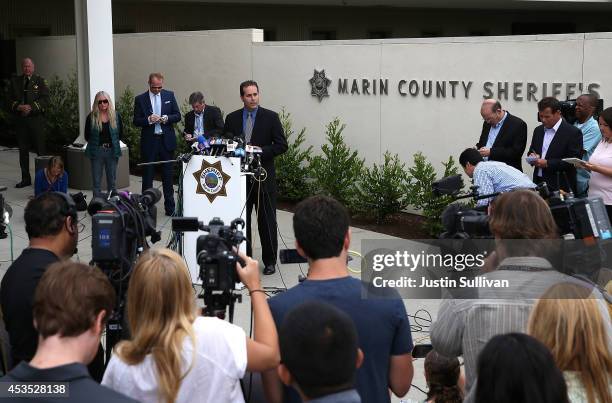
(217, 61)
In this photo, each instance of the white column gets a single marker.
(95, 72)
(95, 64)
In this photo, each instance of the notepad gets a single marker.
(577, 162)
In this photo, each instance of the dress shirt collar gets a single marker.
(245, 111)
(501, 122)
(535, 262)
(555, 127)
(151, 95)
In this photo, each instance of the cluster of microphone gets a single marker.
(249, 155)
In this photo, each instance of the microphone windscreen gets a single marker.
(95, 205)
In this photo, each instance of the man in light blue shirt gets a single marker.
(591, 136)
(492, 176)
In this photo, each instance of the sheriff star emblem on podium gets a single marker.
(319, 84)
(211, 180)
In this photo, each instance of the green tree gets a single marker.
(62, 115)
(337, 171)
(292, 171)
(382, 189)
(420, 194)
(131, 133)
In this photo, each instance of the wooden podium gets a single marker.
(212, 187)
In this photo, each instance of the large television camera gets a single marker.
(575, 218)
(568, 110)
(216, 256)
(583, 225)
(120, 227)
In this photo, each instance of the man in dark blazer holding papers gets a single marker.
(260, 127)
(203, 119)
(155, 112)
(503, 137)
(552, 141)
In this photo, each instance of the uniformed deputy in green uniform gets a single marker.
(29, 99)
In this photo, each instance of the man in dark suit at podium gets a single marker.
(204, 120)
(260, 127)
(503, 136)
(155, 112)
(552, 141)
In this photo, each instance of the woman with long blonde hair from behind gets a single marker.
(574, 325)
(175, 356)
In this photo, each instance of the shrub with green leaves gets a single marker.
(338, 170)
(382, 189)
(131, 133)
(292, 170)
(7, 130)
(420, 195)
(62, 114)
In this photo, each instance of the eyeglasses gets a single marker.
(102, 101)
(156, 88)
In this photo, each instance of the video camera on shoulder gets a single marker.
(217, 260)
(120, 226)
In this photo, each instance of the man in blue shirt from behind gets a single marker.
(321, 227)
(492, 176)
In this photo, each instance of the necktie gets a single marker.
(157, 111)
(198, 124)
(248, 130)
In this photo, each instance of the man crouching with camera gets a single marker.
(492, 177)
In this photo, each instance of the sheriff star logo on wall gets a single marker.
(319, 84)
(211, 180)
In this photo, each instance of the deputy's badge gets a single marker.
(211, 180)
(319, 84)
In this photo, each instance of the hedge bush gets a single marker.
(338, 170)
(292, 167)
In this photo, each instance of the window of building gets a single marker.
(533, 28)
(478, 32)
(431, 34)
(379, 34)
(269, 35)
(30, 30)
(322, 35)
(123, 30)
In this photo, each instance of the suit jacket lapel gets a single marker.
(258, 119)
(162, 100)
(146, 97)
(557, 139)
(539, 144)
(502, 130)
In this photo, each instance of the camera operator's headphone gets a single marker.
(68, 208)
